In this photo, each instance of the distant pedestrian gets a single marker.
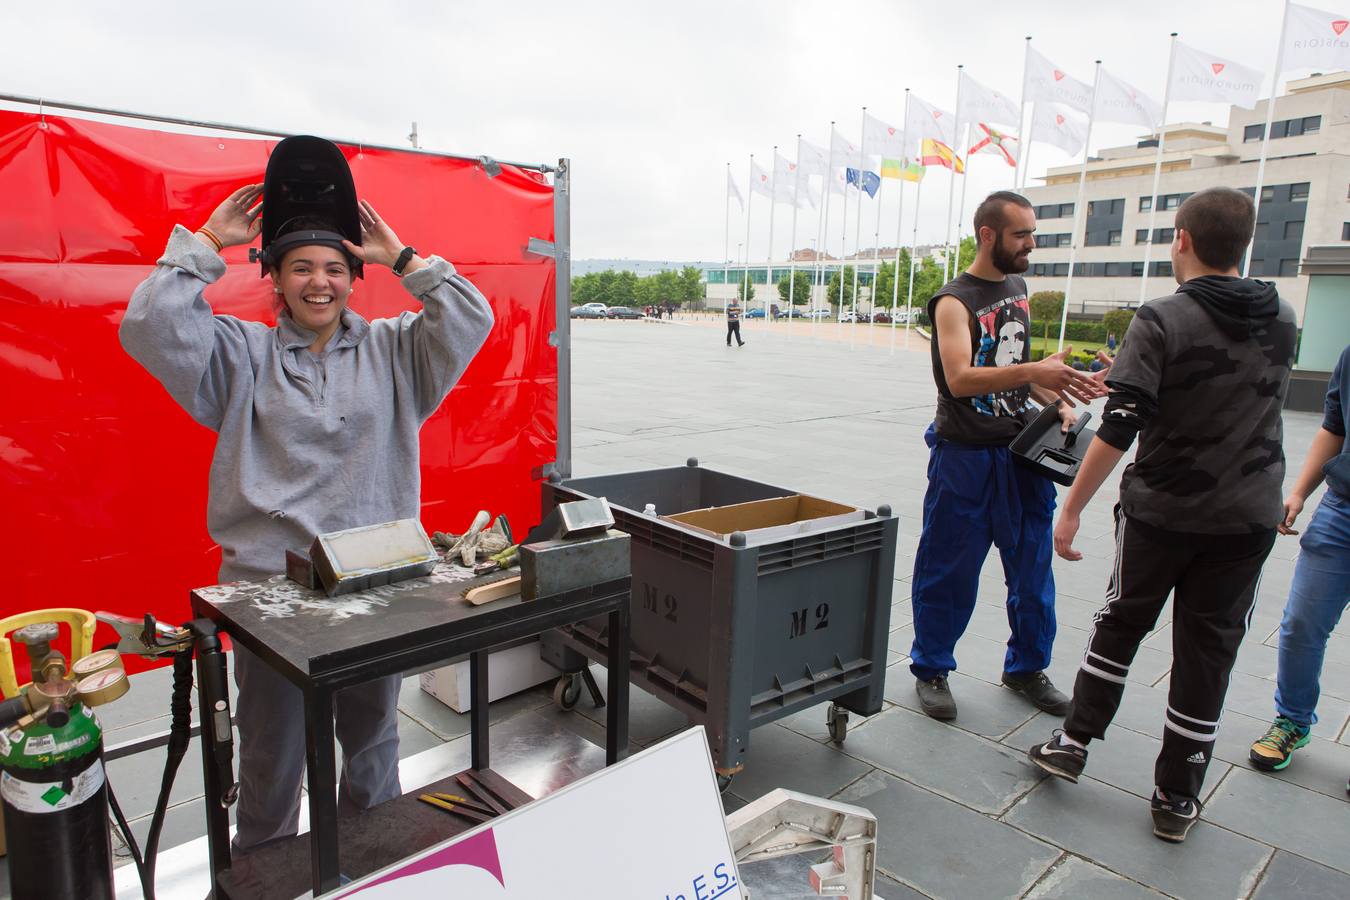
(1321, 586)
(1201, 383)
(734, 322)
(1111, 343)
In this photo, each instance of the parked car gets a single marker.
(623, 312)
(587, 312)
(821, 313)
(756, 313)
(792, 314)
(847, 316)
(883, 318)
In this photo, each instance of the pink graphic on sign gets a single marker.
(1217, 67)
(1339, 25)
(478, 851)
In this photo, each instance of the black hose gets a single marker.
(147, 885)
(180, 734)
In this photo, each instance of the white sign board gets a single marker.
(648, 828)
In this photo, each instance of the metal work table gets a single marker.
(324, 644)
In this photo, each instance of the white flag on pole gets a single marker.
(1060, 126)
(837, 181)
(734, 192)
(1120, 102)
(984, 104)
(1206, 78)
(1047, 83)
(927, 121)
(760, 183)
(843, 152)
(813, 160)
(1314, 39)
(785, 184)
(882, 139)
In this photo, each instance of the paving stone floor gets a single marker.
(961, 812)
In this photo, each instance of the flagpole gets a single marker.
(843, 238)
(857, 224)
(876, 260)
(913, 244)
(961, 207)
(768, 266)
(749, 205)
(792, 246)
(726, 243)
(823, 232)
(1265, 138)
(899, 221)
(1023, 149)
(1157, 169)
(951, 186)
(1078, 206)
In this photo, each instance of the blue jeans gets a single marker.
(1317, 597)
(977, 496)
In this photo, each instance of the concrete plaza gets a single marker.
(838, 413)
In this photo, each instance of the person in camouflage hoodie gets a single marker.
(1200, 379)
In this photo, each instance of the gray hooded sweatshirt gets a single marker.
(307, 443)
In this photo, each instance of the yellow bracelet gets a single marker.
(212, 235)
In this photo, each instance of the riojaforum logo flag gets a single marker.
(984, 104)
(1120, 102)
(880, 139)
(1315, 39)
(1060, 127)
(1047, 83)
(924, 121)
(843, 152)
(733, 191)
(995, 141)
(1207, 78)
(760, 182)
(788, 186)
(813, 160)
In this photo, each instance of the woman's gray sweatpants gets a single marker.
(270, 714)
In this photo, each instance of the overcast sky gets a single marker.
(650, 101)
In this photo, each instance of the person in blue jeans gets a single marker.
(1321, 586)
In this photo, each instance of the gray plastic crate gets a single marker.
(736, 636)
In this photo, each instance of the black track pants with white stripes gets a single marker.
(1214, 581)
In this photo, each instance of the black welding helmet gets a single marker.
(308, 177)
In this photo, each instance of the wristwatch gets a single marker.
(403, 259)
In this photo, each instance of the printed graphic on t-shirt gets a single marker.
(1004, 329)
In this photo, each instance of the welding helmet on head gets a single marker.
(307, 177)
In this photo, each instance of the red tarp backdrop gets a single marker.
(103, 477)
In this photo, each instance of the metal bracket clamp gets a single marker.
(490, 166)
(541, 247)
(784, 823)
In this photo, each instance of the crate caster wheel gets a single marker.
(567, 691)
(724, 782)
(837, 719)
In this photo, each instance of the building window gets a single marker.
(1312, 124)
(1118, 206)
(1288, 268)
(1145, 204)
(1065, 240)
(1252, 133)
(1267, 194)
(1345, 231)
(1136, 269)
(1293, 231)
(1113, 238)
(1162, 268)
(1060, 269)
(1171, 201)
(1298, 191)
(1141, 235)
(1092, 208)
(1066, 209)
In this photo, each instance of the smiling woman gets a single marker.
(317, 423)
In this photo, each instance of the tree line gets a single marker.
(622, 288)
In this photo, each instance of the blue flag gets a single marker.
(867, 181)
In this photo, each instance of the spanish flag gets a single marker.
(936, 153)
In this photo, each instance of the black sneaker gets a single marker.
(1173, 817)
(1037, 688)
(936, 698)
(1060, 760)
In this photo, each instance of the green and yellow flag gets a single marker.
(905, 169)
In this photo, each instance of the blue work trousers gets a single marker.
(977, 496)
(1317, 598)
